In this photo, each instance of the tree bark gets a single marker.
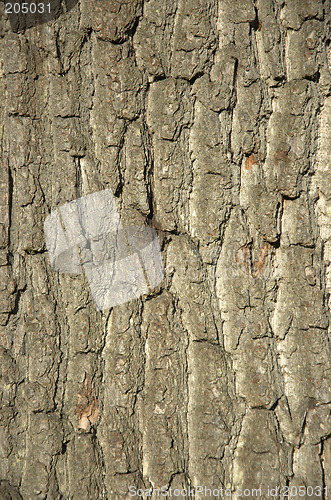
(210, 121)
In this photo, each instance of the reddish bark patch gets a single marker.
(260, 263)
(250, 161)
(87, 407)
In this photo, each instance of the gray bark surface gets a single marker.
(210, 121)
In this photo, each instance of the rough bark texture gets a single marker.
(210, 120)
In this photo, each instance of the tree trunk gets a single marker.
(210, 121)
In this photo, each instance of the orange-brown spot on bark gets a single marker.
(260, 263)
(250, 161)
(87, 406)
